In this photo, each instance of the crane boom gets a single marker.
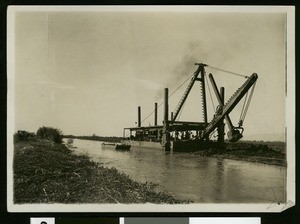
(188, 90)
(229, 105)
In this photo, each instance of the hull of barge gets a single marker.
(177, 146)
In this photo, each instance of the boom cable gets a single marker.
(248, 102)
(181, 85)
(180, 111)
(243, 108)
(168, 97)
(226, 71)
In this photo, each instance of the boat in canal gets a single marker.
(117, 146)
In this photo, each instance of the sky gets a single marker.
(87, 72)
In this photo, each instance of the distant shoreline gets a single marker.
(264, 152)
(96, 138)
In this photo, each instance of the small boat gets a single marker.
(117, 146)
(121, 146)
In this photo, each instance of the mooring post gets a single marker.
(139, 116)
(166, 133)
(221, 131)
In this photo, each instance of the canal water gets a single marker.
(190, 177)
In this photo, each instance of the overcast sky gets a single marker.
(87, 72)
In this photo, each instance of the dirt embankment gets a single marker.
(45, 172)
(250, 152)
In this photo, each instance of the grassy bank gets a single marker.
(250, 152)
(45, 172)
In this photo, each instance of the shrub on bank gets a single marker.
(50, 133)
(23, 136)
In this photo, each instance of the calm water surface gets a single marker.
(200, 179)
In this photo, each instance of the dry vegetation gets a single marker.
(47, 172)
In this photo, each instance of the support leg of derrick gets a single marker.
(221, 127)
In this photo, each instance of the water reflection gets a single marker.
(200, 179)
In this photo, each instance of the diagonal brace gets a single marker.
(219, 98)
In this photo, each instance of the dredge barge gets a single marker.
(192, 136)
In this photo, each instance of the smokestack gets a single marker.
(139, 116)
(155, 114)
(166, 115)
(166, 134)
